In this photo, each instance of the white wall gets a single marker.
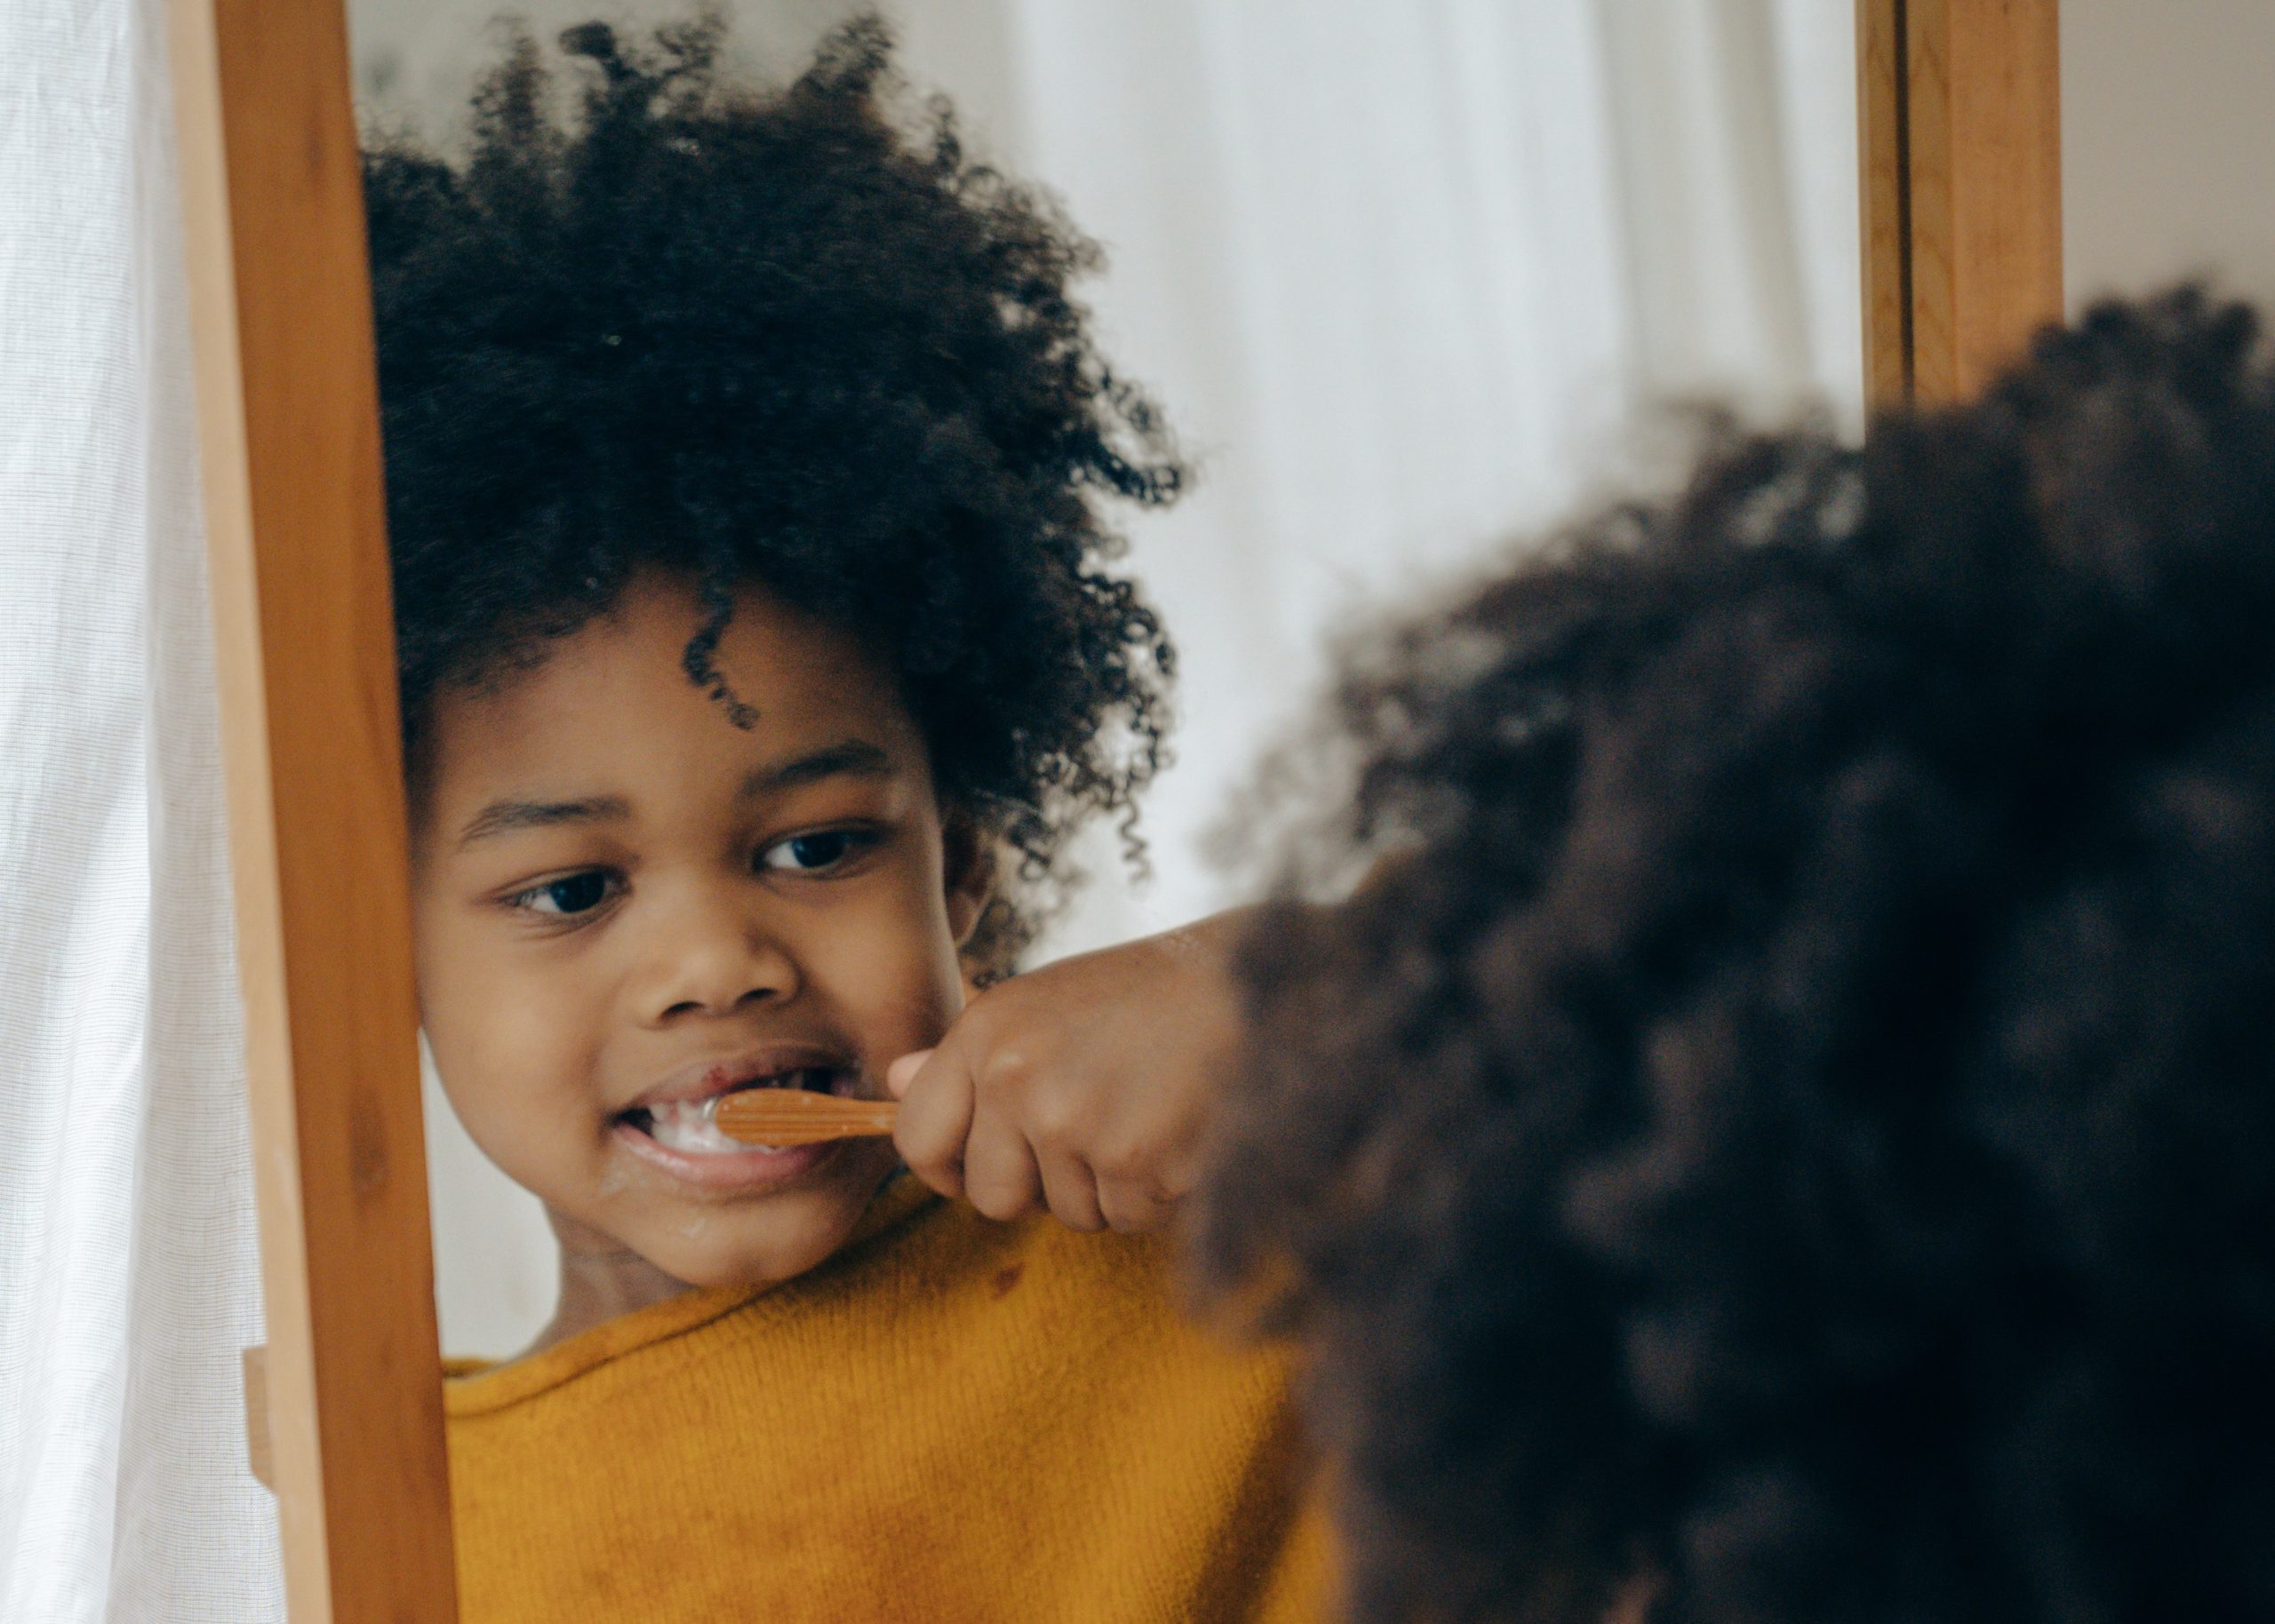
(2168, 144)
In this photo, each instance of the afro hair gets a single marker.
(798, 340)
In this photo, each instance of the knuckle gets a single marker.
(1128, 1166)
(1010, 1070)
(1055, 1117)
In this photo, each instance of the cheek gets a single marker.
(503, 1035)
(896, 978)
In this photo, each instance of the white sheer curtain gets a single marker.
(1406, 275)
(128, 1281)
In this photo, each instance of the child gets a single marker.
(1784, 1137)
(742, 458)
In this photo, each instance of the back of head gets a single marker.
(1785, 1135)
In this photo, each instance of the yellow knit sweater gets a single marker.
(951, 1420)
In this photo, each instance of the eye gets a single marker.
(816, 852)
(567, 896)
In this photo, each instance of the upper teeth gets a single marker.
(691, 1126)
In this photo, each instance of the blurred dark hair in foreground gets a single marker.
(1786, 1137)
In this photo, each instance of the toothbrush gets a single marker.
(783, 1117)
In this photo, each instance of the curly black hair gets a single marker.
(1787, 1136)
(798, 340)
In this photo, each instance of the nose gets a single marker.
(708, 955)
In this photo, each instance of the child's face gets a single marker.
(623, 899)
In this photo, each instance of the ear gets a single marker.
(968, 874)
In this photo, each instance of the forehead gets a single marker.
(614, 700)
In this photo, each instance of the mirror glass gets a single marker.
(1408, 281)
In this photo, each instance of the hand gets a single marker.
(1083, 1086)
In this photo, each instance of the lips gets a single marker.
(777, 1065)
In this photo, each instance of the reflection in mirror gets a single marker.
(757, 491)
(1403, 286)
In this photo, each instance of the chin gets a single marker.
(770, 1267)
(797, 1242)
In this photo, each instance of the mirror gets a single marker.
(1324, 496)
(1404, 285)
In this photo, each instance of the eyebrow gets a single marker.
(504, 816)
(849, 758)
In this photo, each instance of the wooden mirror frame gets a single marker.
(1958, 110)
(288, 413)
(1959, 127)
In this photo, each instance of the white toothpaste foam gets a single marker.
(689, 1127)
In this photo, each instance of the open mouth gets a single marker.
(689, 1127)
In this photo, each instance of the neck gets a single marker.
(601, 1278)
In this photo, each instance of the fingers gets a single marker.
(1000, 1175)
(935, 1107)
(1143, 1177)
(902, 1072)
(962, 1141)
(1133, 1206)
(1073, 1192)
(1081, 1085)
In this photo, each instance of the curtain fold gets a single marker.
(128, 1253)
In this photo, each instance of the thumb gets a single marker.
(903, 1071)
